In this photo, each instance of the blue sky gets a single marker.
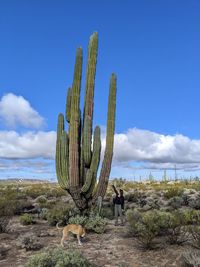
(152, 46)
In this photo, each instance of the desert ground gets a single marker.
(116, 245)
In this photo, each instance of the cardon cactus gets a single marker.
(77, 157)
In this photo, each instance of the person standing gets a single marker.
(118, 205)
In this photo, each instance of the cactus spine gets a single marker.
(77, 161)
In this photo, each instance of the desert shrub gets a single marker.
(144, 225)
(173, 192)
(55, 192)
(95, 223)
(41, 200)
(192, 217)
(44, 213)
(147, 229)
(176, 230)
(78, 219)
(3, 252)
(191, 258)
(133, 216)
(4, 221)
(26, 219)
(107, 212)
(195, 232)
(132, 196)
(59, 258)
(195, 203)
(176, 202)
(60, 213)
(29, 242)
(163, 222)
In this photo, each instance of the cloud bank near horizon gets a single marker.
(149, 149)
(152, 150)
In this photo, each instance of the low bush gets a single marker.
(107, 212)
(26, 219)
(176, 230)
(93, 222)
(176, 202)
(195, 232)
(191, 258)
(173, 192)
(60, 213)
(96, 224)
(59, 258)
(29, 242)
(78, 219)
(144, 226)
(4, 221)
(195, 203)
(133, 217)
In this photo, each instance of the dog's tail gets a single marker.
(59, 228)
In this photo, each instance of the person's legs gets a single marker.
(116, 214)
(120, 214)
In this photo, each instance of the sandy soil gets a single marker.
(114, 248)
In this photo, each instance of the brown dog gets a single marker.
(76, 229)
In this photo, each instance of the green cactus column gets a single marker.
(74, 122)
(107, 161)
(77, 161)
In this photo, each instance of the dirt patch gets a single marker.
(113, 248)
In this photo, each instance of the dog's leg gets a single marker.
(63, 238)
(79, 240)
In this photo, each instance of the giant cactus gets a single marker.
(77, 160)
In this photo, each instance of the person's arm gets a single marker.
(116, 192)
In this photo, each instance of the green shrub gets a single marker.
(144, 225)
(4, 221)
(59, 258)
(176, 202)
(195, 232)
(191, 258)
(26, 219)
(96, 224)
(82, 220)
(29, 242)
(60, 213)
(195, 203)
(176, 229)
(107, 212)
(192, 217)
(133, 216)
(148, 228)
(133, 196)
(44, 213)
(173, 192)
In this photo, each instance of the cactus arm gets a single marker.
(92, 172)
(106, 165)
(68, 104)
(87, 141)
(65, 158)
(74, 123)
(62, 179)
(89, 97)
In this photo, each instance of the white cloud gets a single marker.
(27, 145)
(149, 149)
(15, 110)
(143, 145)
